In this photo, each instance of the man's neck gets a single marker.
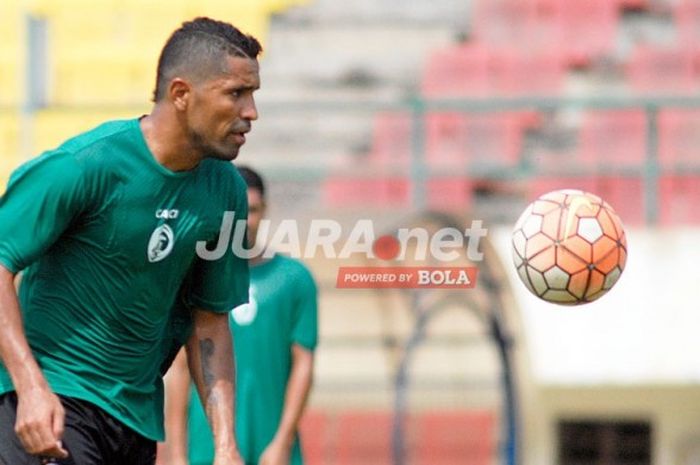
(168, 142)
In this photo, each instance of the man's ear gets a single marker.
(179, 92)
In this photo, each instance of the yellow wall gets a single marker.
(102, 61)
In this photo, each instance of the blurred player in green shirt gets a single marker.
(108, 230)
(274, 337)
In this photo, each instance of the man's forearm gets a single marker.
(40, 415)
(15, 352)
(177, 390)
(210, 360)
(296, 395)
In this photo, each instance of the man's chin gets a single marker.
(225, 156)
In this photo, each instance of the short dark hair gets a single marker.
(198, 49)
(252, 179)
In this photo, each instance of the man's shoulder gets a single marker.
(91, 153)
(105, 133)
(296, 270)
(289, 263)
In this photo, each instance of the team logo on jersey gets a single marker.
(245, 314)
(161, 243)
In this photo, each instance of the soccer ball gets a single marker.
(569, 247)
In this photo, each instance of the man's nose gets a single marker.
(249, 110)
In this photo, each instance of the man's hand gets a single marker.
(276, 453)
(40, 421)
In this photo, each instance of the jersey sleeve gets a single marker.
(42, 198)
(305, 324)
(222, 284)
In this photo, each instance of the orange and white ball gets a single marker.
(569, 247)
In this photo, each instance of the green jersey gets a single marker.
(282, 311)
(107, 238)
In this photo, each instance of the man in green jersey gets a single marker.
(274, 338)
(110, 229)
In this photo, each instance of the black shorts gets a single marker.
(91, 437)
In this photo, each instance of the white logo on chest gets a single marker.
(245, 314)
(161, 243)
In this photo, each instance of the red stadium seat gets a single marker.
(446, 438)
(679, 138)
(450, 194)
(391, 139)
(545, 71)
(678, 200)
(499, 22)
(503, 22)
(362, 192)
(613, 138)
(463, 140)
(588, 28)
(662, 70)
(457, 71)
(687, 19)
(524, 25)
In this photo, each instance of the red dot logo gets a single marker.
(386, 247)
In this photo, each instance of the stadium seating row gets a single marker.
(578, 30)
(476, 69)
(676, 194)
(664, 70)
(541, 39)
(607, 138)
